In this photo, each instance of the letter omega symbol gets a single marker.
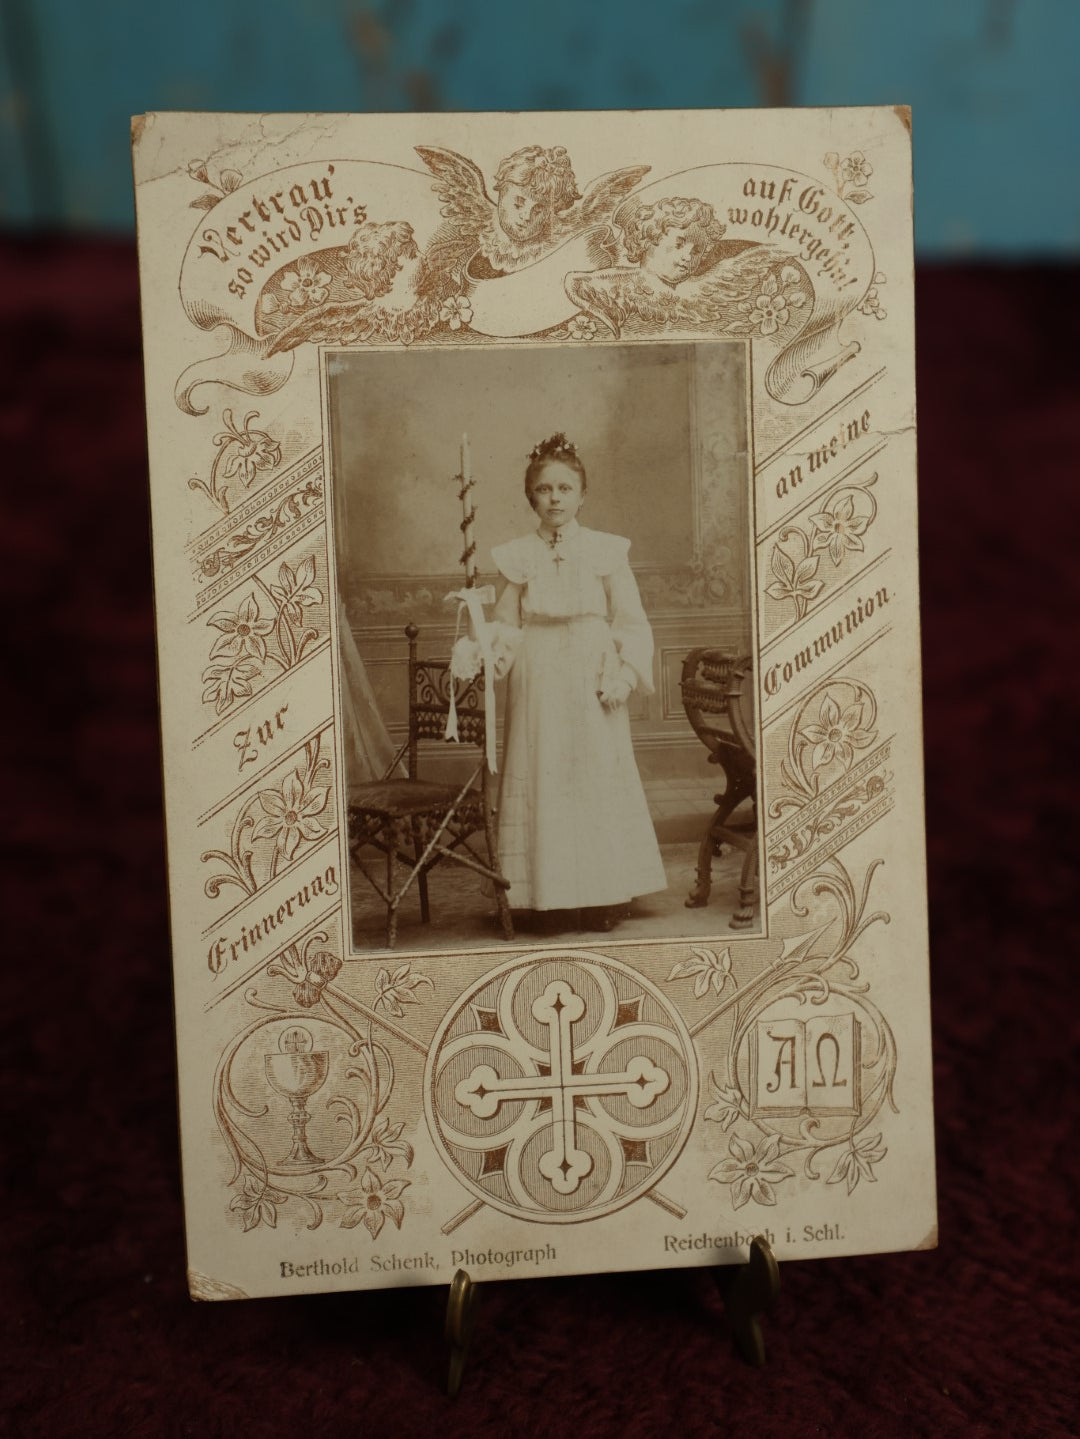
(821, 1082)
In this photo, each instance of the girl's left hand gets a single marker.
(614, 694)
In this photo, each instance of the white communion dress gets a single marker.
(573, 825)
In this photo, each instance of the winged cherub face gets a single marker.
(523, 216)
(675, 255)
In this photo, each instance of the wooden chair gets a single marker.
(418, 823)
(718, 696)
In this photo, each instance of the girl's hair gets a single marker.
(643, 226)
(544, 174)
(556, 448)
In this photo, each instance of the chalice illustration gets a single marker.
(296, 1072)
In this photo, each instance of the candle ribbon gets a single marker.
(471, 601)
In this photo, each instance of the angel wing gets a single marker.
(607, 295)
(353, 322)
(459, 185)
(601, 197)
(466, 208)
(732, 283)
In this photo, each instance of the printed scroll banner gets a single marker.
(785, 261)
(265, 262)
(355, 252)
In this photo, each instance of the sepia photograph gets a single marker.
(544, 648)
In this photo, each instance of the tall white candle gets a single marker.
(468, 513)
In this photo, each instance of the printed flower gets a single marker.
(226, 683)
(308, 974)
(305, 285)
(707, 967)
(727, 1106)
(837, 734)
(771, 307)
(385, 1143)
(871, 303)
(376, 1201)
(257, 1203)
(392, 991)
(751, 1171)
(839, 528)
(794, 581)
(197, 170)
(243, 631)
(857, 1161)
(295, 590)
(856, 169)
(288, 814)
(244, 451)
(583, 327)
(456, 311)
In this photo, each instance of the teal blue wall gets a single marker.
(994, 84)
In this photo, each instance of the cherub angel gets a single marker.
(681, 272)
(366, 291)
(537, 207)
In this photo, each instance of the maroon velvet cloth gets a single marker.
(100, 1336)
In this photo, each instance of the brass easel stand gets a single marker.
(749, 1292)
(460, 1319)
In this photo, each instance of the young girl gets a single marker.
(574, 831)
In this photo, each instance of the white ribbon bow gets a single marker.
(471, 601)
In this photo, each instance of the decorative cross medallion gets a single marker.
(564, 1165)
(561, 1087)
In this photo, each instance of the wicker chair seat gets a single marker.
(403, 798)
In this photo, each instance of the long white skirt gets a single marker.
(573, 824)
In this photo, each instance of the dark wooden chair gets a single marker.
(419, 823)
(718, 696)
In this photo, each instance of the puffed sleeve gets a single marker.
(512, 561)
(504, 633)
(630, 627)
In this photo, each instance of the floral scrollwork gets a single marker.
(239, 545)
(227, 181)
(362, 1175)
(768, 1144)
(871, 301)
(708, 970)
(273, 825)
(803, 839)
(242, 453)
(836, 530)
(241, 652)
(833, 725)
(851, 176)
(773, 308)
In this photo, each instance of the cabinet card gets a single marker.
(535, 551)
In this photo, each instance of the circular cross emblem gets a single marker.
(562, 1087)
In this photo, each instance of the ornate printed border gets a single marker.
(781, 258)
